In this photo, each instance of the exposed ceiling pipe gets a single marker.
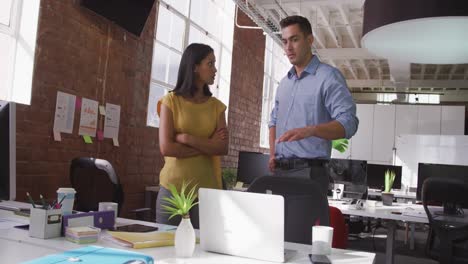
(247, 27)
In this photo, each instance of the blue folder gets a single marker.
(94, 254)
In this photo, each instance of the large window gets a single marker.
(18, 27)
(276, 67)
(411, 98)
(181, 22)
(424, 99)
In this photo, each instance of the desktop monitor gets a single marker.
(252, 165)
(376, 176)
(7, 151)
(352, 173)
(426, 170)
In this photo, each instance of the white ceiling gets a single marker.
(337, 27)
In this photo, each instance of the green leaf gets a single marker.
(340, 145)
(181, 202)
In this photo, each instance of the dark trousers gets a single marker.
(163, 218)
(317, 173)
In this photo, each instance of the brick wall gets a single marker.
(245, 106)
(81, 53)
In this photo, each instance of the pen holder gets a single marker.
(45, 223)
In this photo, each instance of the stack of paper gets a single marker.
(82, 234)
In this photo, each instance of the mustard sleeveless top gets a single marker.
(198, 119)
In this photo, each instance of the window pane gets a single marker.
(196, 11)
(195, 35)
(177, 32)
(5, 64)
(170, 29)
(228, 31)
(229, 7)
(174, 61)
(5, 10)
(160, 60)
(179, 5)
(163, 30)
(226, 62)
(224, 91)
(156, 93)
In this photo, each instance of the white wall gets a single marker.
(381, 125)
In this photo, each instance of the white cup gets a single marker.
(109, 206)
(66, 196)
(338, 189)
(322, 237)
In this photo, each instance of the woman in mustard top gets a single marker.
(192, 131)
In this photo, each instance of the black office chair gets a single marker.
(95, 181)
(449, 226)
(305, 204)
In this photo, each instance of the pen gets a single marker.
(43, 202)
(30, 200)
(59, 205)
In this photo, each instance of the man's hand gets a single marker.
(271, 164)
(221, 134)
(296, 134)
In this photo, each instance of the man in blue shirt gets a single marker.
(312, 107)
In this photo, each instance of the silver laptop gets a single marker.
(242, 224)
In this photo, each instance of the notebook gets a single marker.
(144, 240)
(242, 224)
(95, 254)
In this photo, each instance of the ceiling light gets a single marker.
(417, 31)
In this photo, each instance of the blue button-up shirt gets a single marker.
(319, 96)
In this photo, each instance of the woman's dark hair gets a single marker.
(192, 56)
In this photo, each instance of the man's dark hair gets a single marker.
(193, 55)
(304, 24)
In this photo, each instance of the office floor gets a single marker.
(403, 254)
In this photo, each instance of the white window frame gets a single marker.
(188, 23)
(272, 75)
(22, 32)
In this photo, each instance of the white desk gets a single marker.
(28, 248)
(397, 194)
(397, 212)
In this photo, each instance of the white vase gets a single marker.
(184, 239)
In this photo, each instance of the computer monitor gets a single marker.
(252, 165)
(7, 151)
(376, 176)
(352, 173)
(426, 170)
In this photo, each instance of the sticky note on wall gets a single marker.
(87, 139)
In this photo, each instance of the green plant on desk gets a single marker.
(181, 202)
(229, 176)
(389, 179)
(387, 195)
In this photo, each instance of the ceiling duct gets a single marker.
(260, 18)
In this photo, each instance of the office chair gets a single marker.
(95, 181)
(305, 204)
(451, 226)
(340, 228)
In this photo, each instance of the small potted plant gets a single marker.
(180, 204)
(387, 195)
(229, 177)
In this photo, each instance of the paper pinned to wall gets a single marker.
(64, 112)
(112, 121)
(88, 119)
